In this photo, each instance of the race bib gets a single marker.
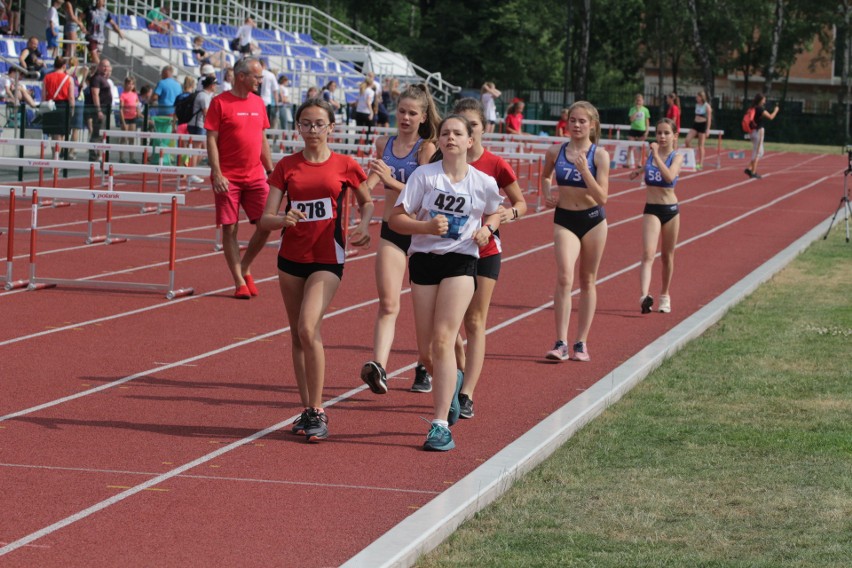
(314, 210)
(456, 208)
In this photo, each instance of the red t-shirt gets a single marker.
(514, 121)
(318, 190)
(674, 114)
(562, 128)
(51, 84)
(240, 124)
(502, 172)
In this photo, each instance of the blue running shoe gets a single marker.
(439, 439)
(455, 406)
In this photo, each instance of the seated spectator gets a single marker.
(31, 59)
(201, 57)
(13, 91)
(158, 21)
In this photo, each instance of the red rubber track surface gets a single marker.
(209, 373)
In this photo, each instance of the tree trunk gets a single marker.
(583, 60)
(568, 87)
(661, 54)
(843, 95)
(769, 73)
(707, 75)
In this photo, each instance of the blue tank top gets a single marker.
(567, 174)
(401, 168)
(653, 175)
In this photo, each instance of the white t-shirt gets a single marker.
(429, 192)
(365, 101)
(268, 87)
(244, 33)
(490, 107)
(53, 18)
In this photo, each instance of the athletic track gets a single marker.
(136, 431)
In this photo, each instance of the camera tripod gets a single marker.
(844, 201)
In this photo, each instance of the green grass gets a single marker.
(736, 452)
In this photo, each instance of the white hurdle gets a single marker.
(35, 282)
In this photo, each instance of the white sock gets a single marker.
(443, 423)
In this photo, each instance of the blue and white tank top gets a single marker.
(653, 175)
(567, 173)
(401, 168)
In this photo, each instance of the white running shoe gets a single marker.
(196, 179)
(665, 304)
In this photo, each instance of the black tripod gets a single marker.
(844, 201)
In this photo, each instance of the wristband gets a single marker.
(514, 213)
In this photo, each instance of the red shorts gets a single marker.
(251, 195)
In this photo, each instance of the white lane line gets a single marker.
(219, 478)
(456, 513)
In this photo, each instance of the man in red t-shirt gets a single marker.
(240, 161)
(59, 88)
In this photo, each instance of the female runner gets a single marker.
(310, 260)
(417, 126)
(450, 209)
(661, 215)
(580, 229)
(488, 265)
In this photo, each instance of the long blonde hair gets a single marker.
(590, 110)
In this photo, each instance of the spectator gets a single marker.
(268, 91)
(73, 24)
(14, 17)
(201, 57)
(129, 113)
(31, 59)
(13, 91)
(166, 91)
(285, 107)
(199, 114)
(99, 102)
(640, 124)
(59, 88)
(207, 70)
(145, 94)
(515, 117)
(487, 94)
(329, 96)
(562, 124)
(79, 74)
(364, 105)
(227, 79)
(245, 46)
(54, 30)
(98, 17)
(157, 20)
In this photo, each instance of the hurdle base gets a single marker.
(41, 286)
(114, 241)
(180, 293)
(57, 204)
(149, 209)
(16, 285)
(94, 240)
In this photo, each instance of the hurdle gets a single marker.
(37, 283)
(8, 279)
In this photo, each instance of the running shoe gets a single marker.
(466, 404)
(665, 304)
(647, 302)
(375, 376)
(455, 407)
(422, 380)
(559, 352)
(699, 167)
(748, 172)
(580, 352)
(316, 425)
(299, 425)
(252, 287)
(756, 176)
(196, 179)
(439, 439)
(242, 293)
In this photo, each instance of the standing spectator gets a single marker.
(640, 123)
(98, 17)
(207, 70)
(329, 97)
(700, 126)
(157, 20)
(79, 75)
(99, 102)
(364, 105)
(129, 113)
(73, 24)
(15, 17)
(239, 167)
(196, 124)
(756, 134)
(54, 30)
(673, 111)
(244, 41)
(285, 107)
(487, 94)
(562, 124)
(268, 91)
(165, 93)
(59, 88)
(312, 93)
(227, 79)
(31, 59)
(515, 117)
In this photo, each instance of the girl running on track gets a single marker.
(700, 127)
(661, 215)
(580, 228)
(488, 265)
(417, 128)
(310, 260)
(450, 209)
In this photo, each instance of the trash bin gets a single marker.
(161, 124)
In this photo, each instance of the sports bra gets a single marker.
(567, 173)
(653, 175)
(401, 168)
(701, 110)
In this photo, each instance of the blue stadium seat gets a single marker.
(306, 38)
(263, 35)
(194, 27)
(273, 49)
(303, 51)
(316, 65)
(159, 41)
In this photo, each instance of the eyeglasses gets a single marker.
(313, 126)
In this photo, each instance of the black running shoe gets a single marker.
(647, 302)
(756, 176)
(316, 426)
(299, 425)
(422, 380)
(375, 376)
(466, 406)
(748, 172)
